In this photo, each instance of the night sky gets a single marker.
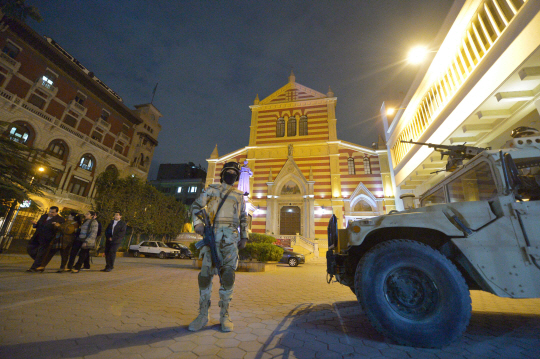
(211, 58)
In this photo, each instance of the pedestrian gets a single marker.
(86, 265)
(226, 206)
(114, 234)
(46, 228)
(84, 242)
(63, 242)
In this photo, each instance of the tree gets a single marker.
(19, 10)
(18, 170)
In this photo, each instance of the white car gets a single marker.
(154, 249)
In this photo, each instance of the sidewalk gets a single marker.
(143, 307)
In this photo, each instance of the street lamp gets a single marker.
(392, 110)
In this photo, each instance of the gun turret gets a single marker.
(456, 153)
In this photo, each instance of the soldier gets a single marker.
(230, 217)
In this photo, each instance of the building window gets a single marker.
(125, 128)
(80, 98)
(51, 177)
(350, 163)
(77, 186)
(70, 120)
(367, 166)
(57, 148)
(119, 147)
(105, 115)
(87, 162)
(48, 79)
(19, 133)
(112, 168)
(97, 136)
(11, 50)
(291, 126)
(37, 101)
(303, 126)
(167, 190)
(280, 127)
(179, 190)
(192, 189)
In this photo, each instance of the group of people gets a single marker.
(76, 235)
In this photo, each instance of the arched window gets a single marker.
(111, 168)
(362, 206)
(291, 126)
(303, 126)
(280, 127)
(141, 162)
(20, 133)
(58, 149)
(87, 162)
(367, 166)
(350, 163)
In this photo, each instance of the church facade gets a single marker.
(302, 174)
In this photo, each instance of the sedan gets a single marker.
(292, 258)
(184, 251)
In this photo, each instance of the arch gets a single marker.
(112, 168)
(58, 148)
(367, 200)
(87, 162)
(21, 132)
(291, 126)
(142, 162)
(303, 130)
(362, 206)
(280, 127)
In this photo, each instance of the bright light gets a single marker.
(417, 55)
(41, 169)
(390, 111)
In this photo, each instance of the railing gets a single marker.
(306, 243)
(6, 95)
(76, 197)
(38, 112)
(122, 136)
(103, 123)
(491, 20)
(122, 157)
(97, 144)
(72, 131)
(12, 63)
(77, 107)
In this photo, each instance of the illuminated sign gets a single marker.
(25, 204)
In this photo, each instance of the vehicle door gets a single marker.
(143, 248)
(153, 248)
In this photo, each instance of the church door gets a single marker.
(289, 220)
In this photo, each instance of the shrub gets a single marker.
(261, 238)
(194, 250)
(263, 252)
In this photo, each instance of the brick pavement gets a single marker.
(142, 309)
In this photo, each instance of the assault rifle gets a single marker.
(209, 240)
(456, 153)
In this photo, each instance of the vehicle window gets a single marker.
(144, 244)
(476, 184)
(434, 198)
(152, 244)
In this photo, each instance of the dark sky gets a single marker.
(211, 58)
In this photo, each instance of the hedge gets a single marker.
(263, 252)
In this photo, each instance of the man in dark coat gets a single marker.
(46, 228)
(115, 232)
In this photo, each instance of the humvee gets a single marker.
(477, 229)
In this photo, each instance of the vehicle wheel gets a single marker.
(182, 256)
(413, 294)
(136, 254)
(293, 262)
(162, 255)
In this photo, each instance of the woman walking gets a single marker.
(84, 242)
(63, 242)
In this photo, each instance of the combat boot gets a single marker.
(202, 318)
(224, 319)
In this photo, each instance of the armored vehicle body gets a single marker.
(478, 229)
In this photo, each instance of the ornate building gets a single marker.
(63, 108)
(302, 174)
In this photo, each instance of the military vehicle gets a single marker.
(477, 229)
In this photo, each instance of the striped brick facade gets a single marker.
(313, 159)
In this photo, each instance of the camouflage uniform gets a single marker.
(231, 217)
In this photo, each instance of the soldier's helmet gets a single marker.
(230, 166)
(524, 131)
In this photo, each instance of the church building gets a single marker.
(302, 173)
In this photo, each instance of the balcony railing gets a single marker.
(103, 124)
(47, 87)
(77, 107)
(9, 62)
(123, 137)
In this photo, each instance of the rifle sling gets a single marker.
(220, 205)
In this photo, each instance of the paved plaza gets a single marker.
(142, 310)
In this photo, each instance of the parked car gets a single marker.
(154, 249)
(292, 258)
(184, 251)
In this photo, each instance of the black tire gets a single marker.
(413, 294)
(162, 255)
(182, 256)
(136, 254)
(293, 262)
